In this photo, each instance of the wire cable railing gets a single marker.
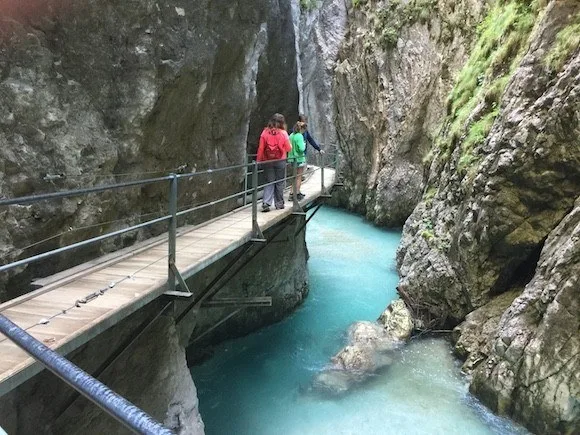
(251, 169)
(125, 412)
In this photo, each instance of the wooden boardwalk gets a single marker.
(74, 306)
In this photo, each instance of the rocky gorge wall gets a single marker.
(321, 31)
(96, 93)
(460, 118)
(495, 230)
(462, 114)
(101, 92)
(395, 69)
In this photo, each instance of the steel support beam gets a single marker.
(185, 292)
(251, 301)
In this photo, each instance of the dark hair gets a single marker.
(276, 121)
(302, 118)
(300, 127)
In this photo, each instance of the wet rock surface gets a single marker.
(370, 348)
(474, 334)
(397, 320)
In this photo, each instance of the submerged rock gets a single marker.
(366, 341)
(370, 348)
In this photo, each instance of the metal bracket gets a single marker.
(298, 213)
(180, 294)
(257, 240)
(257, 234)
(325, 196)
(255, 301)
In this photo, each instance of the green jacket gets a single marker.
(298, 148)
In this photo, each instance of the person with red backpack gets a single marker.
(274, 144)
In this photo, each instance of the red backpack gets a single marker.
(272, 150)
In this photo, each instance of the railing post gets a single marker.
(321, 160)
(246, 178)
(172, 231)
(256, 231)
(336, 164)
(295, 204)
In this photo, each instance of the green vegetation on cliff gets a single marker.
(308, 5)
(567, 41)
(473, 103)
(397, 14)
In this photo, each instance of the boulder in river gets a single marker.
(370, 348)
(397, 320)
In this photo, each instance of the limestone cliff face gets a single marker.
(500, 194)
(481, 224)
(93, 91)
(532, 370)
(100, 92)
(321, 33)
(395, 70)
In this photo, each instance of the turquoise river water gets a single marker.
(259, 384)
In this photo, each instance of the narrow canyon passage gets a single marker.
(261, 384)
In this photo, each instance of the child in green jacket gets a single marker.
(297, 155)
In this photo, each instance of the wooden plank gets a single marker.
(145, 264)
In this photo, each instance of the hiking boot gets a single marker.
(265, 208)
(291, 197)
(300, 196)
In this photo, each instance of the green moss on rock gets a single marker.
(567, 42)
(397, 14)
(473, 104)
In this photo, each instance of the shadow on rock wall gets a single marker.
(100, 92)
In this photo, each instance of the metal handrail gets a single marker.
(115, 405)
(68, 193)
(47, 254)
(210, 203)
(291, 177)
(22, 200)
(120, 408)
(172, 177)
(211, 171)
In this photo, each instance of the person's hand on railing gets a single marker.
(322, 152)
